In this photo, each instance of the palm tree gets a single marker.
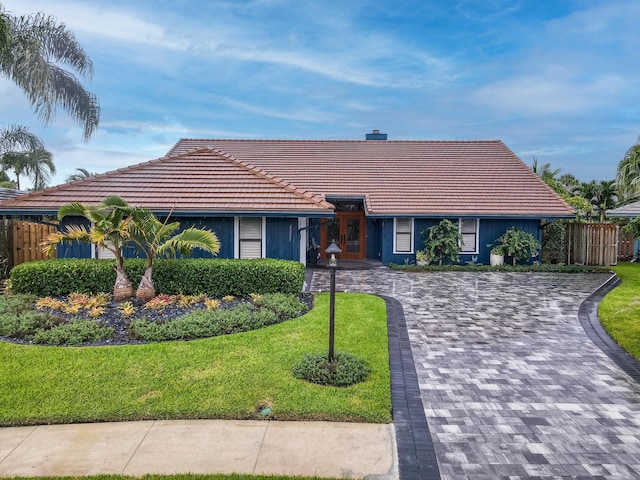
(81, 174)
(602, 195)
(24, 153)
(37, 164)
(32, 50)
(544, 171)
(568, 180)
(628, 173)
(155, 238)
(109, 230)
(18, 138)
(606, 197)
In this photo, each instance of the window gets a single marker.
(403, 235)
(469, 232)
(250, 237)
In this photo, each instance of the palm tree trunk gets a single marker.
(122, 289)
(146, 291)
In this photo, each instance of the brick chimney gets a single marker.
(376, 135)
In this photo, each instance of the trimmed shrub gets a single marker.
(315, 368)
(214, 277)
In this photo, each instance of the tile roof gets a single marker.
(202, 180)
(435, 178)
(418, 178)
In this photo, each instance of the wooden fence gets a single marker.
(592, 243)
(20, 242)
(626, 251)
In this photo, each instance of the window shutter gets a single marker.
(251, 237)
(250, 249)
(403, 235)
(251, 228)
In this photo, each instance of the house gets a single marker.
(275, 198)
(629, 211)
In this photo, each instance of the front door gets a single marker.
(349, 232)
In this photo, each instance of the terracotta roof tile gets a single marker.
(421, 178)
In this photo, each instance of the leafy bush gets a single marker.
(517, 244)
(553, 242)
(214, 277)
(442, 242)
(75, 332)
(204, 323)
(315, 368)
(284, 306)
(25, 325)
(16, 303)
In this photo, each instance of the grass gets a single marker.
(619, 311)
(220, 377)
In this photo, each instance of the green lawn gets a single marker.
(619, 311)
(221, 377)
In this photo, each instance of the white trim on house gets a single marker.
(470, 230)
(404, 244)
(302, 228)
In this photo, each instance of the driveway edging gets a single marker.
(416, 453)
(588, 315)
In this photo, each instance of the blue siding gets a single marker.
(73, 249)
(283, 239)
(489, 231)
(221, 226)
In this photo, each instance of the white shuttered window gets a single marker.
(403, 235)
(250, 237)
(469, 232)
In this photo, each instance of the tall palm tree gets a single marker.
(606, 197)
(18, 138)
(36, 164)
(81, 174)
(628, 173)
(33, 49)
(23, 152)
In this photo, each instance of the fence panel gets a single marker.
(27, 237)
(592, 243)
(625, 247)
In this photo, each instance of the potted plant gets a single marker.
(496, 256)
(423, 258)
(516, 244)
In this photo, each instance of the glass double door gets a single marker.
(348, 231)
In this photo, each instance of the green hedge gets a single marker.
(214, 277)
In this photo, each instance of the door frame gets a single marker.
(342, 219)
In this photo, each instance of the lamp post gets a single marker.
(333, 250)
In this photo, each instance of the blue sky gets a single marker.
(554, 79)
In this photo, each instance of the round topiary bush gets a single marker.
(347, 369)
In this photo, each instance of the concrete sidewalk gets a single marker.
(344, 450)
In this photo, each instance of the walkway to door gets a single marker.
(511, 385)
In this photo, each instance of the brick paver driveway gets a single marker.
(511, 385)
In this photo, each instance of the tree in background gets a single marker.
(23, 153)
(628, 174)
(562, 186)
(32, 50)
(602, 196)
(81, 174)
